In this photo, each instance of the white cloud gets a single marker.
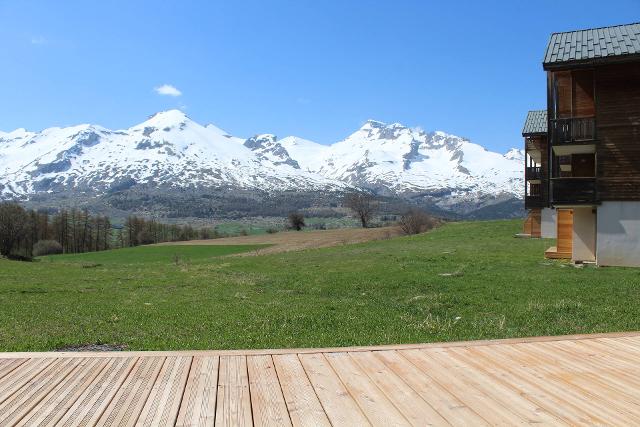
(38, 40)
(168, 90)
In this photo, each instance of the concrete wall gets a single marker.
(584, 234)
(619, 234)
(549, 228)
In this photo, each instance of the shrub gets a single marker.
(416, 221)
(272, 230)
(47, 247)
(296, 221)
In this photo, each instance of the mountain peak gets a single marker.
(514, 154)
(372, 124)
(166, 118)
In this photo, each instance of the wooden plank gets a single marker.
(415, 409)
(546, 395)
(163, 403)
(21, 375)
(127, 404)
(538, 363)
(526, 367)
(302, 402)
(336, 401)
(95, 398)
(607, 354)
(448, 405)
(633, 343)
(502, 395)
(22, 401)
(618, 349)
(198, 408)
(621, 374)
(233, 401)
(588, 377)
(49, 410)
(9, 365)
(475, 399)
(375, 405)
(267, 401)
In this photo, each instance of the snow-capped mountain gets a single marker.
(168, 149)
(171, 151)
(405, 161)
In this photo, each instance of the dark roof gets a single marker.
(536, 123)
(593, 45)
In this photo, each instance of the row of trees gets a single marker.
(75, 231)
(140, 231)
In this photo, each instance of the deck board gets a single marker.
(198, 406)
(301, 399)
(573, 380)
(233, 401)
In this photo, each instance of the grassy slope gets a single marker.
(374, 293)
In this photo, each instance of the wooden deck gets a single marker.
(573, 380)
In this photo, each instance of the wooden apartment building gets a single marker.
(582, 172)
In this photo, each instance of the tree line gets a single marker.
(25, 233)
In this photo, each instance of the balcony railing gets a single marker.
(573, 190)
(531, 202)
(576, 129)
(532, 173)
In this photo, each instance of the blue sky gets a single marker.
(315, 69)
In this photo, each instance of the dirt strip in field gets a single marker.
(300, 240)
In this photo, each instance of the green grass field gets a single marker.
(462, 281)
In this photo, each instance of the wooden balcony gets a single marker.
(570, 191)
(573, 130)
(532, 173)
(534, 202)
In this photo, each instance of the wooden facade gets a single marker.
(618, 128)
(594, 133)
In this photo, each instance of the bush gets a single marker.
(47, 247)
(416, 221)
(296, 221)
(272, 230)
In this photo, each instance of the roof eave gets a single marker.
(585, 63)
(534, 134)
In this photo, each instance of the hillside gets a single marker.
(468, 280)
(173, 166)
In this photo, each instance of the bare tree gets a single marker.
(363, 206)
(296, 220)
(416, 221)
(13, 226)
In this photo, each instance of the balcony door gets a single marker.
(583, 165)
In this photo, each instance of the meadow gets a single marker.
(461, 281)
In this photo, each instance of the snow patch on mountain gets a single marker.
(171, 150)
